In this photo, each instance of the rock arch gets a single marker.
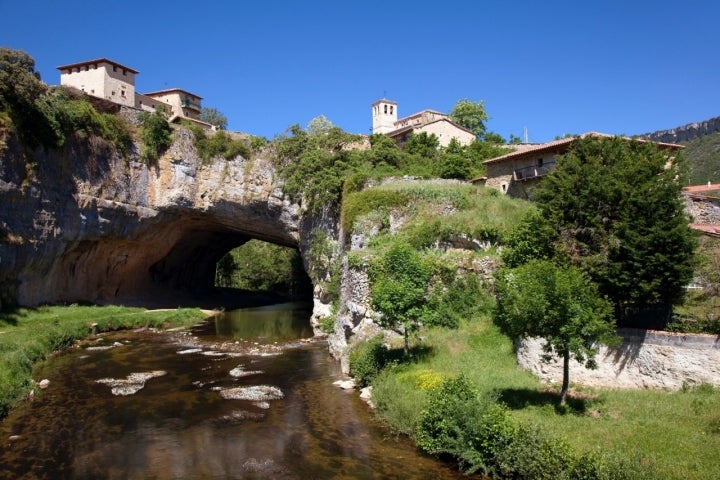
(94, 226)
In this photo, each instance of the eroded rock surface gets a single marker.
(87, 224)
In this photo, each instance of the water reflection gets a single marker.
(180, 425)
(273, 323)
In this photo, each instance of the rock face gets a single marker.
(87, 224)
(686, 132)
(645, 359)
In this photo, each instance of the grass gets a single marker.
(434, 211)
(27, 336)
(679, 432)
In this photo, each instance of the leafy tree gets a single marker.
(262, 266)
(19, 82)
(616, 208)
(495, 138)
(20, 87)
(559, 304)
(318, 126)
(400, 281)
(531, 239)
(514, 139)
(423, 144)
(455, 165)
(471, 115)
(213, 117)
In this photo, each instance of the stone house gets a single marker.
(107, 79)
(517, 172)
(384, 116)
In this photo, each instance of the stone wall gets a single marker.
(645, 359)
(704, 210)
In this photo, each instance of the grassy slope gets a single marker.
(703, 156)
(679, 431)
(28, 335)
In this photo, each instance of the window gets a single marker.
(385, 108)
(112, 93)
(122, 93)
(124, 72)
(114, 68)
(540, 162)
(391, 109)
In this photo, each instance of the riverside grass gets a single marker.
(678, 433)
(28, 335)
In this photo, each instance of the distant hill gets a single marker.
(702, 148)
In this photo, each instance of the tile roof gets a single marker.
(98, 60)
(563, 143)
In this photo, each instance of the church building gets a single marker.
(385, 121)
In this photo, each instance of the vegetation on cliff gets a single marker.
(319, 167)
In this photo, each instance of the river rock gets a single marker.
(345, 384)
(366, 396)
(44, 383)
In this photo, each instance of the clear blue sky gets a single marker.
(553, 67)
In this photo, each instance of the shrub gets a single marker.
(397, 402)
(156, 135)
(327, 324)
(218, 144)
(367, 359)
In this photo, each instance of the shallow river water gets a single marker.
(248, 396)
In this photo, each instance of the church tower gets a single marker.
(384, 116)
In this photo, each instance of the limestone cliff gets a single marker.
(686, 132)
(89, 224)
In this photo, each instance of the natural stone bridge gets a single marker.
(86, 224)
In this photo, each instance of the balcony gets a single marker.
(189, 104)
(533, 171)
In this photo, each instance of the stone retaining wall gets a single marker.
(645, 359)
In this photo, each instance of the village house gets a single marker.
(517, 172)
(385, 121)
(104, 78)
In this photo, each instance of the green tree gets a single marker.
(18, 79)
(617, 211)
(318, 126)
(156, 134)
(559, 304)
(400, 281)
(471, 115)
(213, 117)
(422, 144)
(20, 88)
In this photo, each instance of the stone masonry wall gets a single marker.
(645, 359)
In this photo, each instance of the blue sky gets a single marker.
(553, 67)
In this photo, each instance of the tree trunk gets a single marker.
(407, 343)
(566, 378)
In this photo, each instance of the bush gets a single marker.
(396, 402)
(480, 434)
(156, 135)
(367, 359)
(218, 144)
(327, 324)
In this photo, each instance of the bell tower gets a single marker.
(384, 116)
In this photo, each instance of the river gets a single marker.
(248, 395)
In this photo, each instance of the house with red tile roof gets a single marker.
(517, 172)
